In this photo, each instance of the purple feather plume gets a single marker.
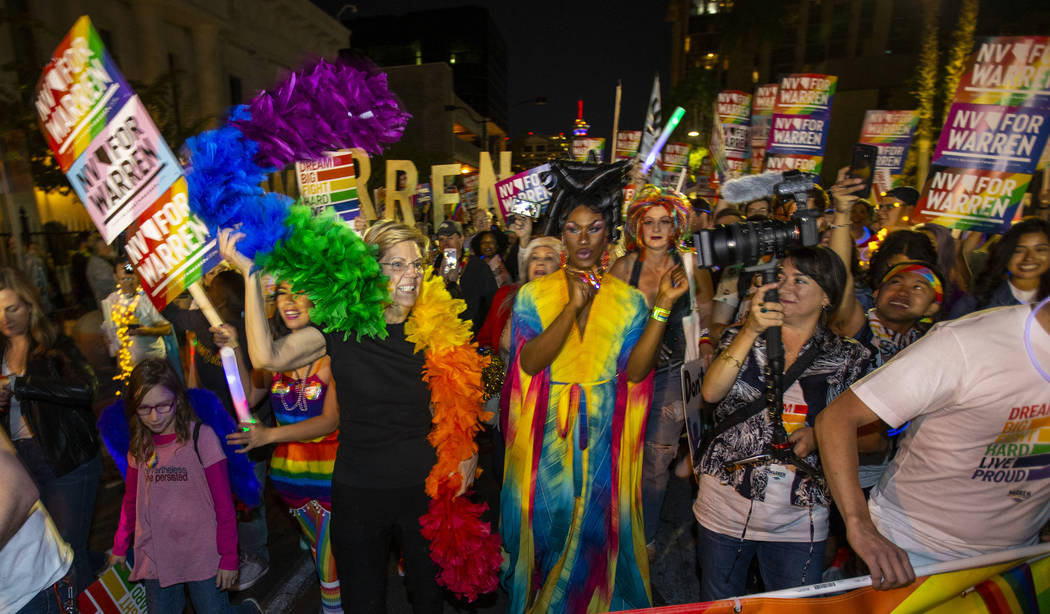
(324, 107)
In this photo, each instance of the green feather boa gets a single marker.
(325, 259)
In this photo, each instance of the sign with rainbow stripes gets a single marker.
(761, 122)
(170, 247)
(113, 593)
(331, 182)
(892, 133)
(801, 119)
(734, 116)
(994, 135)
(120, 166)
(100, 134)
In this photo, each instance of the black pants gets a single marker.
(364, 520)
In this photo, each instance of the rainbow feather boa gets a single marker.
(300, 119)
(463, 546)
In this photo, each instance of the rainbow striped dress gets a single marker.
(571, 513)
(302, 470)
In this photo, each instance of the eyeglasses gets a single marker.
(164, 408)
(400, 266)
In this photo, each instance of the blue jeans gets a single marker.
(723, 571)
(662, 432)
(206, 598)
(70, 501)
(45, 602)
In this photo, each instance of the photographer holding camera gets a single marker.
(761, 489)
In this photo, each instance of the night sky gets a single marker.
(566, 50)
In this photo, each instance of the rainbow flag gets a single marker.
(1012, 587)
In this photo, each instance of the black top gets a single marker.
(672, 351)
(384, 411)
(477, 286)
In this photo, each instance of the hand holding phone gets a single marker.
(862, 166)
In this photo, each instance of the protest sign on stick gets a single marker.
(734, 118)
(170, 247)
(100, 134)
(801, 119)
(891, 132)
(584, 146)
(524, 193)
(993, 138)
(761, 122)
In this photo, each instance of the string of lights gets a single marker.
(122, 313)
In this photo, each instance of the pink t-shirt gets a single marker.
(175, 512)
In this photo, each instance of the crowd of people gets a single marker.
(862, 398)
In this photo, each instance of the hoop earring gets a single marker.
(563, 258)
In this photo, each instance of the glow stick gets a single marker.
(662, 139)
(233, 380)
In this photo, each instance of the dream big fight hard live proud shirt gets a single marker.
(973, 472)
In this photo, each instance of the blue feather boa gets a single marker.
(224, 185)
(113, 426)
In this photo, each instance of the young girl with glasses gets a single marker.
(177, 501)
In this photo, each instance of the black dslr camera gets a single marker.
(746, 242)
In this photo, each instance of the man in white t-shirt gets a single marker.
(972, 475)
(33, 556)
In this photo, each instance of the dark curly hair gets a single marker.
(995, 271)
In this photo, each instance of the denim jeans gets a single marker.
(206, 598)
(662, 431)
(723, 571)
(45, 602)
(70, 500)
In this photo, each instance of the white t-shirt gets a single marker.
(972, 475)
(720, 508)
(142, 346)
(32, 560)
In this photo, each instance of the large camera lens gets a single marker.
(746, 242)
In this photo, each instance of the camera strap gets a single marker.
(759, 404)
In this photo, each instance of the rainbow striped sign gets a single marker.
(100, 134)
(331, 182)
(113, 593)
(992, 140)
(734, 116)
(761, 123)
(892, 133)
(170, 247)
(801, 119)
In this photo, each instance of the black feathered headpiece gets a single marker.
(599, 186)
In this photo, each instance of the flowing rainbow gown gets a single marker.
(571, 513)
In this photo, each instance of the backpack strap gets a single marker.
(196, 437)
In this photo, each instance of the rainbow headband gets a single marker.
(923, 271)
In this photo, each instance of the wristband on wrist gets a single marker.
(839, 226)
(705, 339)
(660, 314)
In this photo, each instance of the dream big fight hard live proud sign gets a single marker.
(993, 137)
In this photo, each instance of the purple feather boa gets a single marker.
(325, 107)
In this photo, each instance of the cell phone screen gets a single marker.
(862, 166)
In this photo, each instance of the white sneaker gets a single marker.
(250, 571)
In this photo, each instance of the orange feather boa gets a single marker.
(464, 548)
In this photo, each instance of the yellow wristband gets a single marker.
(660, 314)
